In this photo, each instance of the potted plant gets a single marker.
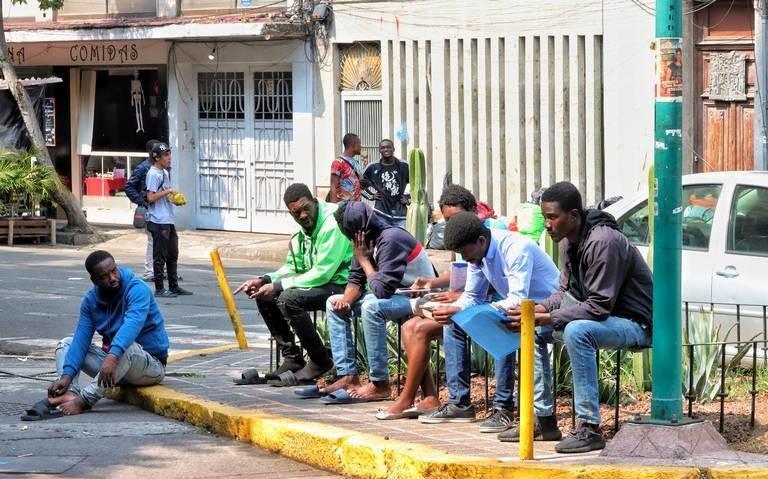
(22, 182)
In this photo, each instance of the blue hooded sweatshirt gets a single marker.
(397, 256)
(132, 316)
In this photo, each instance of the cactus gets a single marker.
(418, 211)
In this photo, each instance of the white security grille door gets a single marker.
(273, 137)
(363, 116)
(222, 161)
(245, 123)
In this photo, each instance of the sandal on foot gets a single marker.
(410, 413)
(288, 379)
(344, 397)
(312, 392)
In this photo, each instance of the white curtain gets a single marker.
(85, 114)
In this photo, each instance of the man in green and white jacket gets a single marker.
(317, 267)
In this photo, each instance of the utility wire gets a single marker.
(34, 378)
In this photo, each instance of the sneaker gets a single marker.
(449, 413)
(584, 437)
(499, 420)
(544, 429)
(164, 293)
(148, 277)
(181, 292)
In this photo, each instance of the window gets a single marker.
(748, 226)
(635, 225)
(699, 203)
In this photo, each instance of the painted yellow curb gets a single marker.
(201, 352)
(364, 455)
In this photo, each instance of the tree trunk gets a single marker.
(61, 195)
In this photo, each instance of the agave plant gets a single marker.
(22, 181)
(707, 357)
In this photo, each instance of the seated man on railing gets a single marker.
(316, 268)
(516, 268)
(604, 302)
(385, 258)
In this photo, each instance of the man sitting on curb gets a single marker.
(386, 258)
(604, 302)
(134, 349)
(317, 267)
(516, 268)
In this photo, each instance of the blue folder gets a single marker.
(483, 324)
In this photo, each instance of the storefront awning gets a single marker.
(31, 82)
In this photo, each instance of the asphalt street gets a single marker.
(41, 289)
(118, 441)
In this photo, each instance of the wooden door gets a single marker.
(725, 87)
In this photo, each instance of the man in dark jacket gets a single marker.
(604, 302)
(136, 190)
(385, 259)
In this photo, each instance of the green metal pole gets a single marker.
(667, 403)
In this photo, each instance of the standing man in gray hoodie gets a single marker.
(604, 302)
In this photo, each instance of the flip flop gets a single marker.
(411, 413)
(418, 412)
(40, 411)
(343, 397)
(312, 392)
(288, 379)
(249, 376)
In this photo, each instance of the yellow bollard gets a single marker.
(229, 300)
(526, 380)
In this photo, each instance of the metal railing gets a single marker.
(750, 361)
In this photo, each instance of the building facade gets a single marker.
(503, 97)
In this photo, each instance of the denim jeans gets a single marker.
(399, 223)
(582, 338)
(374, 314)
(457, 371)
(149, 258)
(135, 367)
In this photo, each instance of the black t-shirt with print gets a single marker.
(391, 181)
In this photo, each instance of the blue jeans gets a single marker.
(457, 371)
(135, 367)
(374, 314)
(582, 338)
(399, 223)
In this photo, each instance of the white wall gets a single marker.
(504, 139)
(192, 58)
(629, 100)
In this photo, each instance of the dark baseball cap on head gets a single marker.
(159, 149)
(151, 143)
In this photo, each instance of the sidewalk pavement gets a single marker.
(117, 440)
(197, 245)
(350, 441)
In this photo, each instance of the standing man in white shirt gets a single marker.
(165, 242)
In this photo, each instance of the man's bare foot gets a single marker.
(371, 391)
(343, 382)
(74, 407)
(64, 398)
(429, 402)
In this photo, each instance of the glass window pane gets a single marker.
(635, 225)
(748, 226)
(699, 203)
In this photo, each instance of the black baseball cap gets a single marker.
(150, 144)
(159, 149)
